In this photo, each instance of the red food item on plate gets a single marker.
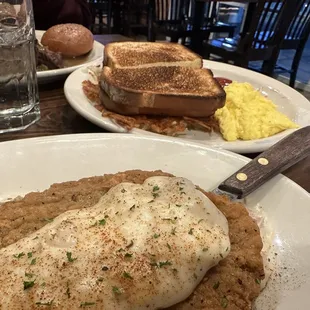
(223, 81)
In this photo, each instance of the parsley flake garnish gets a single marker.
(216, 285)
(102, 222)
(205, 249)
(155, 188)
(130, 244)
(33, 261)
(221, 255)
(128, 255)
(190, 232)
(123, 190)
(28, 284)
(19, 255)
(48, 303)
(100, 280)
(168, 246)
(200, 221)
(28, 275)
(224, 302)
(29, 254)
(155, 195)
(173, 230)
(178, 206)
(257, 281)
(181, 189)
(116, 290)
(132, 207)
(69, 257)
(86, 304)
(127, 275)
(162, 264)
(156, 236)
(49, 220)
(68, 290)
(167, 219)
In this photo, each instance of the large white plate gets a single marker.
(34, 164)
(289, 101)
(95, 55)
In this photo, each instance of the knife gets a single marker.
(282, 155)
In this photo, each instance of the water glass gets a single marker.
(19, 98)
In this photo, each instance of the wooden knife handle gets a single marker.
(276, 159)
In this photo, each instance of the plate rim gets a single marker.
(244, 147)
(76, 143)
(117, 136)
(41, 75)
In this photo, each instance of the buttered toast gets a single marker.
(149, 54)
(158, 90)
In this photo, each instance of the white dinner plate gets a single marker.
(95, 55)
(289, 101)
(34, 164)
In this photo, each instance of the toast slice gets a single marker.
(149, 54)
(170, 91)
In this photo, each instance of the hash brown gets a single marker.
(170, 126)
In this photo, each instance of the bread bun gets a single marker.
(70, 40)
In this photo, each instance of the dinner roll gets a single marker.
(70, 40)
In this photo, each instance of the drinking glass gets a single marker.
(19, 98)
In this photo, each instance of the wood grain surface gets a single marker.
(284, 154)
(57, 118)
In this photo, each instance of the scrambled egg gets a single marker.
(248, 115)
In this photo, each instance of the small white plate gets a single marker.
(34, 164)
(289, 101)
(51, 75)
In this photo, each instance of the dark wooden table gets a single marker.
(197, 36)
(57, 118)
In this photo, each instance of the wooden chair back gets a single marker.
(101, 9)
(268, 27)
(172, 10)
(299, 28)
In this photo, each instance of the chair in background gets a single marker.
(170, 18)
(262, 39)
(154, 17)
(102, 11)
(296, 38)
(137, 17)
(211, 13)
(173, 18)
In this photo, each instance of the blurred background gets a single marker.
(267, 36)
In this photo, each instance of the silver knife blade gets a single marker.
(231, 196)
